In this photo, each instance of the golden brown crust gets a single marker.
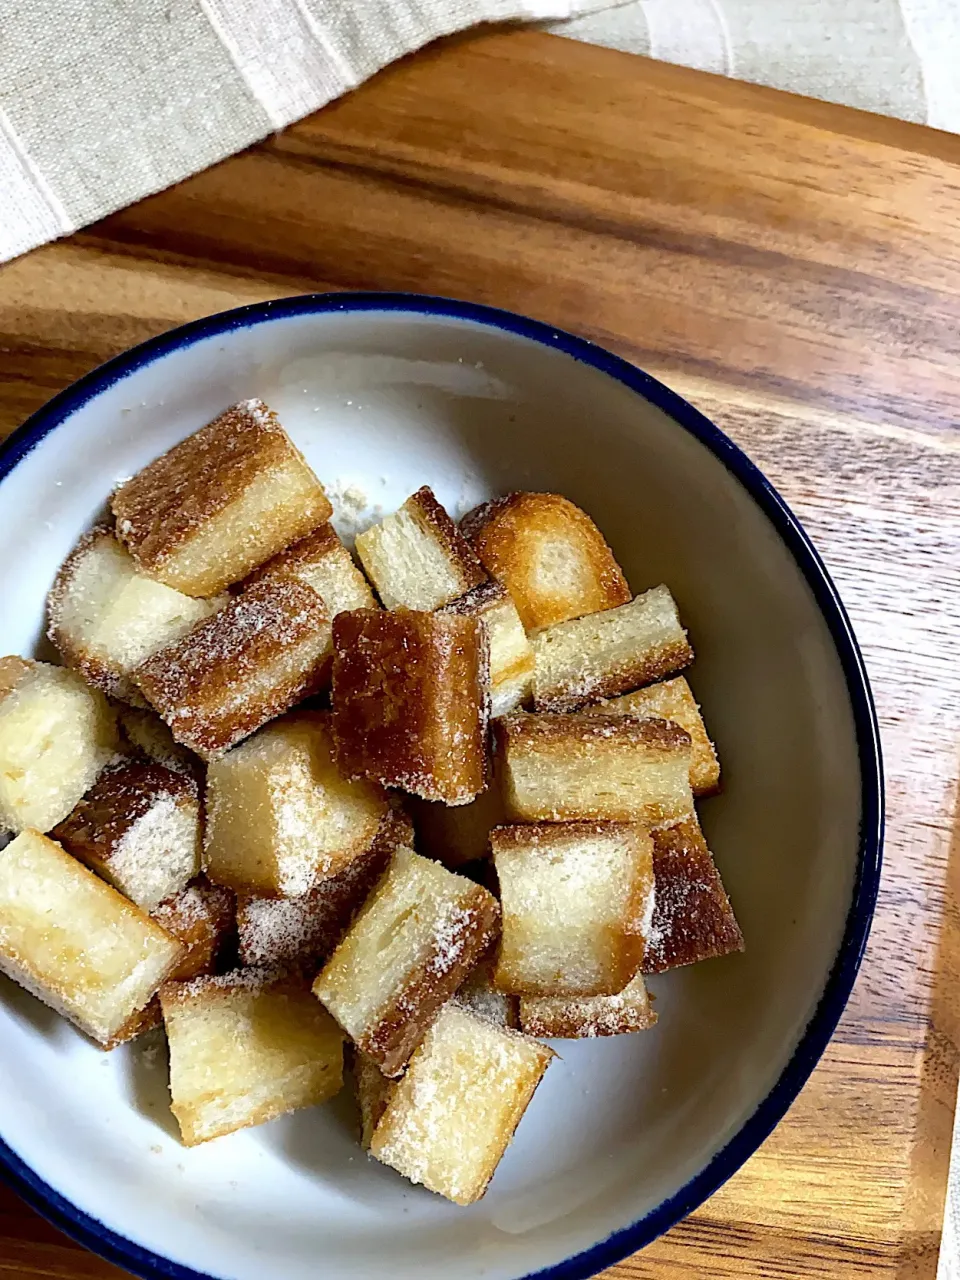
(164, 505)
(410, 701)
(203, 918)
(692, 917)
(458, 549)
(558, 731)
(569, 1018)
(617, 678)
(509, 535)
(279, 627)
(321, 542)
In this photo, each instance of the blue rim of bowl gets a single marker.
(142, 1262)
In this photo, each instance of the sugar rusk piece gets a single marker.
(609, 653)
(576, 902)
(106, 618)
(561, 768)
(417, 558)
(373, 1094)
(302, 932)
(480, 994)
(56, 735)
(324, 563)
(148, 736)
(220, 503)
(447, 1123)
(549, 555)
(410, 704)
(139, 828)
(692, 917)
(75, 942)
(457, 834)
(511, 655)
(280, 814)
(584, 1017)
(245, 1048)
(410, 947)
(259, 656)
(673, 700)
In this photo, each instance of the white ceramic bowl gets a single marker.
(384, 393)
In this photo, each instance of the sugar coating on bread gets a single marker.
(56, 735)
(373, 1094)
(511, 654)
(561, 768)
(261, 654)
(480, 993)
(280, 814)
(673, 700)
(410, 702)
(609, 653)
(576, 902)
(585, 1017)
(150, 737)
(74, 941)
(139, 828)
(447, 1123)
(302, 932)
(245, 1048)
(417, 558)
(106, 618)
(457, 834)
(410, 947)
(692, 918)
(220, 503)
(549, 555)
(324, 563)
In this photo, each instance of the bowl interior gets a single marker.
(381, 403)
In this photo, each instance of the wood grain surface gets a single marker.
(794, 270)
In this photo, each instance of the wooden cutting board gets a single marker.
(794, 270)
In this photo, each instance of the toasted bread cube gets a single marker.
(562, 768)
(324, 563)
(245, 1048)
(373, 1094)
(106, 618)
(549, 555)
(410, 706)
(263, 653)
(577, 900)
(417, 558)
(673, 700)
(150, 737)
(139, 828)
(75, 942)
(220, 503)
(56, 735)
(605, 654)
(480, 994)
(281, 816)
(412, 944)
(692, 916)
(457, 834)
(511, 654)
(583, 1017)
(302, 932)
(447, 1123)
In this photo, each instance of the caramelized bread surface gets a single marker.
(584, 1017)
(511, 654)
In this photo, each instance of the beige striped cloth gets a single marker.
(104, 102)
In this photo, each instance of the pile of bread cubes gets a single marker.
(427, 811)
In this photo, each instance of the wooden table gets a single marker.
(793, 269)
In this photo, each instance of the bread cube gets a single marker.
(511, 655)
(417, 558)
(583, 1017)
(412, 944)
(220, 503)
(577, 901)
(561, 768)
(373, 1094)
(148, 736)
(692, 916)
(263, 653)
(139, 828)
(410, 706)
(605, 654)
(447, 1123)
(457, 834)
(302, 932)
(281, 816)
(74, 941)
(245, 1048)
(324, 563)
(480, 994)
(549, 555)
(55, 737)
(673, 700)
(106, 618)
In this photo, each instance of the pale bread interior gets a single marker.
(408, 563)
